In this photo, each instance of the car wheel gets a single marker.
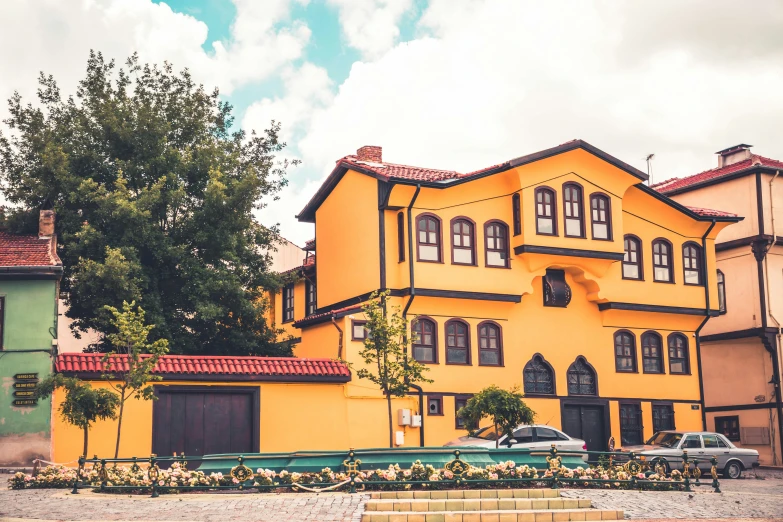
(733, 470)
(667, 469)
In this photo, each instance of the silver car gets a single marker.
(666, 447)
(534, 437)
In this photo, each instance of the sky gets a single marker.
(450, 84)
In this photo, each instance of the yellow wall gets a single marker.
(348, 268)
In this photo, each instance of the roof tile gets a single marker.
(675, 184)
(27, 250)
(249, 366)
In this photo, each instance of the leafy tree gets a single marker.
(154, 194)
(505, 408)
(127, 371)
(82, 404)
(385, 353)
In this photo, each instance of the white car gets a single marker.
(535, 437)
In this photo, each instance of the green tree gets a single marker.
(505, 408)
(385, 353)
(82, 404)
(154, 194)
(130, 363)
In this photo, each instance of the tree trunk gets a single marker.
(497, 437)
(119, 426)
(84, 450)
(391, 427)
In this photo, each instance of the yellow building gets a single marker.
(559, 272)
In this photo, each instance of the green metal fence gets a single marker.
(618, 469)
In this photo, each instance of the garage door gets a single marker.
(204, 420)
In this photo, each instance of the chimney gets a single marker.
(46, 224)
(370, 153)
(733, 155)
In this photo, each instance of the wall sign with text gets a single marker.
(24, 389)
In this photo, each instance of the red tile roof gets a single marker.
(396, 171)
(249, 367)
(17, 250)
(709, 212)
(321, 317)
(676, 184)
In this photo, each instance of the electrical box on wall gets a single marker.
(404, 417)
(415, 421)
(399, 438)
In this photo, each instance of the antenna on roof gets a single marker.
(649, 159)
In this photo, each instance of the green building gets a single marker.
(30, 273)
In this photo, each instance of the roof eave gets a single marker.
(720, 179)
(685, 210)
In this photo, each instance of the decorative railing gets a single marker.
(616, 469)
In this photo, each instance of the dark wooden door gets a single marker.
(200, 421)
(586, 422)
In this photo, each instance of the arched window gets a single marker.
(632, 261)
(400, 237)
(652, 353)
(662, 261)
(538, 376)
(678, 354)
(721, 292)
(457, 342)
(425, 340)
(428, 238)
(516, 210)
(691, 263)
(624, 351)
(581, 378)
(490, 344)
(546, 218)
(463, 241)
(573, 212)
(601, 216)
(496, 243)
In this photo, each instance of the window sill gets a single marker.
(633, 279)
(463, 264)
(287, 321)
(434, 414)
(664, 282)
(458, 364)
(493, 365)
(429, 261)
(496, 266)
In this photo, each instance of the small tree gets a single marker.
(505, 408)
(127, 371)
(83, 404)
(385, 353)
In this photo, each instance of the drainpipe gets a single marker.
(776, 355)
(409, 303)
(339, 338)
(706, 318)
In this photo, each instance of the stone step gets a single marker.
(478, 504)
(467, 493)
(495, 516)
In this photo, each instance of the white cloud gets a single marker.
(498, 79)
(371, 26)
(55, 36)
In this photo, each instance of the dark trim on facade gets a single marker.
(384, 190)
(685, 210)
(740, 407)
(759, 204)
(218, 378)
(21, 273)
(253, 391)
(737, 334)
(635, 307)
(572, 252)
(746, 241)
(576, 397)
(458, 294)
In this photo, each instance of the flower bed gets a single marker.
(418, 476)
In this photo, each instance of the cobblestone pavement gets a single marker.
(755, 496)
(741, 499)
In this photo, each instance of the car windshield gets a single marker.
(487, 433)
(665, 439)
